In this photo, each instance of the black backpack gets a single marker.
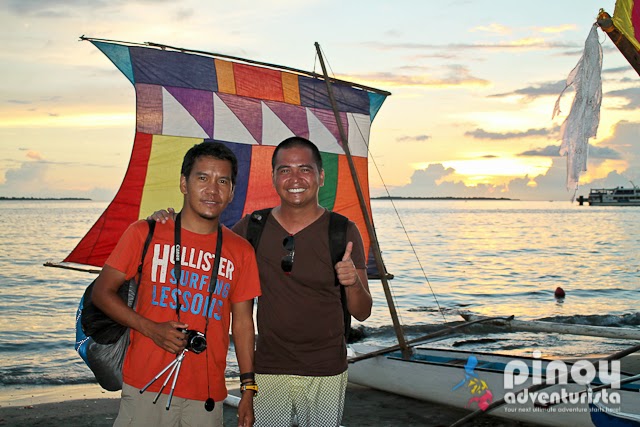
(100, 341)
(337, 245)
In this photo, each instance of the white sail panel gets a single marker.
(177, 121)
(359, 129)
(321, 136)
(274, 130)
(227, 126)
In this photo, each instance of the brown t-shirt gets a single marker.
(300, 323)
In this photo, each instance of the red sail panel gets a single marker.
(95, 247)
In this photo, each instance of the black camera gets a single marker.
(196, 341)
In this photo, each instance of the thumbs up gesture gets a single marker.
(345, 270)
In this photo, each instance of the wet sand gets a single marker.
(89, 405)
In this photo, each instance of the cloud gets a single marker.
(419, 138)
(626, 141)
(531, 93)
(617, 70)
(453, 76)
(558, 29)
(34, 155)
(631, 95)
(624, 144)
(35, 177)
(518, 44)
(23, 180)
(65, 8)
(595, 152)
(492, 28)
(482, 134)
(548, 151)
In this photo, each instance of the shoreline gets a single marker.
(36, 395)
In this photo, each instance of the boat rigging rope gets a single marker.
(404, 229)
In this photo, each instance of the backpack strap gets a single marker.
(337, 245)
(256, 225)
(147, 242)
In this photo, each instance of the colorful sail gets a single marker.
(184, 98)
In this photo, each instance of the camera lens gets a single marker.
(196, 341)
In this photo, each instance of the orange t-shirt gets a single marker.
(159, 293)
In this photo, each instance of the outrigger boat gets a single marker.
(480, 381)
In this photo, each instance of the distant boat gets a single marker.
(618, 196)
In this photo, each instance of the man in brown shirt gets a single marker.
(301, 361)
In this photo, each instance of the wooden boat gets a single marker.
(602, 416)
(473, 380)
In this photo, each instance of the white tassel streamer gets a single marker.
(584, 117)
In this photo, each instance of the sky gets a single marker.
(473, 85)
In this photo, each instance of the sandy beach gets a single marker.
(89, 405)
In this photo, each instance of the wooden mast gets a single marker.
(623, 44)
(363, 206)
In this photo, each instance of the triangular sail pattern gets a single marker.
(185, 98)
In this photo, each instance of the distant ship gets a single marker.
(618, 196)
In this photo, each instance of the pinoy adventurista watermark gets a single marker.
(581, 372)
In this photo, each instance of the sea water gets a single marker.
(493, 258)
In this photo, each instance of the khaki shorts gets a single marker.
(139, 410)
(313, 401)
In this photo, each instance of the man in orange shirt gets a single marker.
(176, 294)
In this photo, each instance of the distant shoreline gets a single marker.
(42, 198)
(440, 198)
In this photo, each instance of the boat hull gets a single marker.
(441, 376)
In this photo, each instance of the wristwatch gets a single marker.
(249, 386)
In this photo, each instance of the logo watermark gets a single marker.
(521, 376)
(481, 394)
(581, 372)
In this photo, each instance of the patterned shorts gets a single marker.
(138, 409)
(313, 401)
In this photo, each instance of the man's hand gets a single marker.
(163, 216)
(246, 417)
(345, 270)
(167, 335)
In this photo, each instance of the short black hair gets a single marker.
(297, 141)
(213, 149)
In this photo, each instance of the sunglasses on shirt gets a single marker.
(287, 261)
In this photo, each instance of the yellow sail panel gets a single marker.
(626, 19)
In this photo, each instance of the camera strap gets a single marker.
(178, 264)
(177, 270)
